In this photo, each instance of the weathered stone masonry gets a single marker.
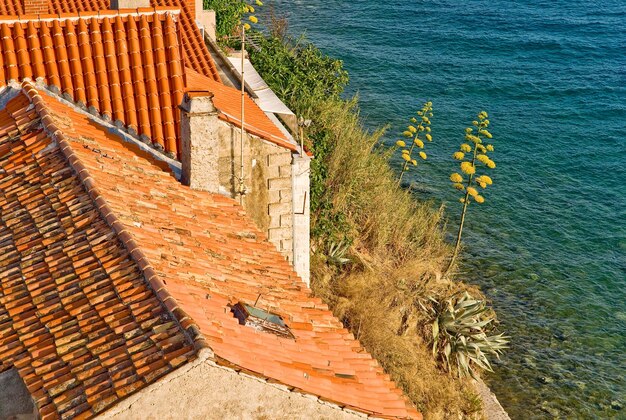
(268, 180)
(275, 178)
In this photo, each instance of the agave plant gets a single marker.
(460, 334)
(337, 252)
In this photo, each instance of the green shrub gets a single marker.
(303, 77)
(299, 73)
(228, 14)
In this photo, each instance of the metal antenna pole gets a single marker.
(243, 130)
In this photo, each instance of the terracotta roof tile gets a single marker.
(195, 52)
(124, 66)
(65, 324)
(228, 102)
(99, 63)
(209, 255)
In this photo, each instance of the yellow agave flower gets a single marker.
(400, 143)
(427, 129)
(469, 130)
(479, 199)
(468, 168)
(490, 147)
(462, 200)
(483, 159)
(259, 3)
(429, 137)
(459, 187)
(412, 129)
(413, 120)
(491, 164)
(466, 148)
(456, 177)
(414, 162)
(246, 26)
(458, 155)
(406, 157)
(405, 152)
(421, 127)
(251, 9)
(407, 133)
(472, 191)
(482, 185)
(253, 19)
(419, 143)
(423, 155)
(481, 148)
(486, 179)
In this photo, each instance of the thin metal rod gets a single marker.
(243, 130)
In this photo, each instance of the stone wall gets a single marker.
(203, 390)
(268, 181)
(301, 186)
(15, 400)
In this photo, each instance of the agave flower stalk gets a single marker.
(412, 134)
(479, 152)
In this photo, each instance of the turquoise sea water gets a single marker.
(549, 246)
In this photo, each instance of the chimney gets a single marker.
(35, 7)
(199, 142)
(128, 4)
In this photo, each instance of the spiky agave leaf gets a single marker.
(460, 334)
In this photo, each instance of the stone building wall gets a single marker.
(268, 180)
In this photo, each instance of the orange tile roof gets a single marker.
(78, 320)
(228, 102)
(125, 66)
(210, 255)
(195, 52)
(12, 7)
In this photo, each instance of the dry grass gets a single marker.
(397, 256)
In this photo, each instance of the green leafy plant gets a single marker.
(228, 15)
(461, 329)
(299, 73)
(416, 129)
(303, 77)
(473, 156)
